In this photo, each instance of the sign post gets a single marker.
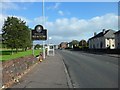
(33, 49)
(39, 33)
(43, 50)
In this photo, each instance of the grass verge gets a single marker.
(7, 56)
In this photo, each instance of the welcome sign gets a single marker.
(39, 33)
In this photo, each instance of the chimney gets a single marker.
(95, 33)
(103, 31)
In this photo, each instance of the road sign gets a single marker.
(39, 33)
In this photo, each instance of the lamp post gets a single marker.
(48, 45)
(49, 40)
(43, 14)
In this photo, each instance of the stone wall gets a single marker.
(13, 70)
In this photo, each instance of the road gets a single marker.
(91, 70)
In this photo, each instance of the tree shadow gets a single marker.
(8, 52)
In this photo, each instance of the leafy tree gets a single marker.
(37, 46)
(83, 43)
(75, 42)
(15, 33)
(26, 41)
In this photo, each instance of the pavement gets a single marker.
(0, 74)
(114, 55)
(111, 55)
(50, 73)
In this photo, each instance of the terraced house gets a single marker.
(103, 40)
(63, 45)
(117, 39)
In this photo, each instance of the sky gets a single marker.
(65, 21)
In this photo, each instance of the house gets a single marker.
(63, 45)
(103, 40)
(117, 39)
(69, 45)
(56, 46)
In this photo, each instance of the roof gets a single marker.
(63, 43)
(108, 33)
(117, 32)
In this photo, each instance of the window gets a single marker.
(51, 47)
(113, 45)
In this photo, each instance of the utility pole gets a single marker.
(43, 15)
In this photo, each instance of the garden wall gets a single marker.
(102, 51)
(14, 69)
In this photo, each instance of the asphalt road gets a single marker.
(91, 70)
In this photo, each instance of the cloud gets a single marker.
(67, 29)
(1, 21)
(65, 13)
(60, 12)
(60, 0)
(22, 18)
(4, 17)
(5, 6)
(39, 20)
(56, 6)
(21, 0)
(8, 5)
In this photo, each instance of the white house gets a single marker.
(117, 39)
(103, 40)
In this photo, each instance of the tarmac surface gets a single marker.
(90, 70)
(53, 72)
(50, 73)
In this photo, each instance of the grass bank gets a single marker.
(9, 55)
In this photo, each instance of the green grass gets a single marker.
(7, 54)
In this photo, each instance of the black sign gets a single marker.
(39, 33)
(38, 28)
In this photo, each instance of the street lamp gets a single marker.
(49, 40)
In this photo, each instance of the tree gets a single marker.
(27, 39)
(75, 43)
(15, 33)
(83, 43)
(37, 46)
